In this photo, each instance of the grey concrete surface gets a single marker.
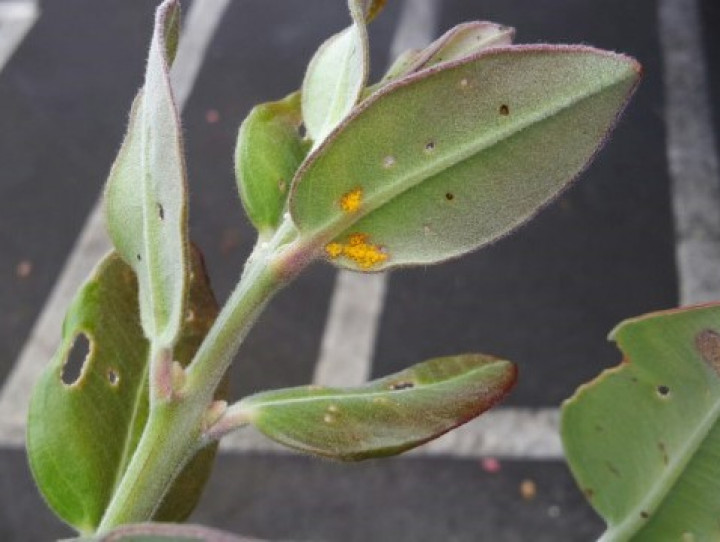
(545, 297)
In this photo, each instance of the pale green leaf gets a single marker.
(268, 153)
(336, 76)
(449, 159)
(643, 439)
(386, 416)
(145, 198)
(460, 41)
(82, 429)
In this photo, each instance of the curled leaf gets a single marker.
(146, 196)
(386, 416)
(268, 153)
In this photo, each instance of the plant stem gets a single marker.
(173, 431)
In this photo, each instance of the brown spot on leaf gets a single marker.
(589, 493)
(449, 196)
(405, 385)
(504, 110)
(644, 514)
(708, 344)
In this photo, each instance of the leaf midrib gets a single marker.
(659, 491)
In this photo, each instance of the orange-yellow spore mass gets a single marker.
(351, 201)
(359, 250)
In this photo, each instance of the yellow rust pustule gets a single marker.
(357, 249)
(351, 201)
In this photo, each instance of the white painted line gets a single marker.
(93, 243)
(691, 150)
(511, 433)
(16, 20)
(348, 341)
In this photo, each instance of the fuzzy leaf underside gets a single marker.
(643, 439)
(268, 153)
(81, 436)
(386, 416)
(146, 195)
(336, 75)
(453, 157)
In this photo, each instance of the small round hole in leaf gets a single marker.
(72, 370)
(430, 146)
(113, 377)
(449, 196)
(663, 390)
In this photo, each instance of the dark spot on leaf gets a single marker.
(612, 468)
(139, 258)
(401, 386)
(708, 344)
(663, 391)
(449, 196)
(302, 131)
(161, 212)
(282, 186)
(75, 362)
(644, 514)
(663, 451)
(430, 146)
(113, 377)
(504, 110)
(589, 493)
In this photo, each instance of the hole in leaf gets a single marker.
(113, 377)
(449, 196)
(504, 110)
(75, 362)
(161, 212)
(663, 391)
(430, 146)
(388, 162)
(401, 386)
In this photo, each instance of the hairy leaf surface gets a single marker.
(386, 416)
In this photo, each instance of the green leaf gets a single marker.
(386, 416)
(336, 76)
(453, 157)
(460, 41)
(82, 429)
(643, 439)
(268, 153)
(146, 196)
(164, 532)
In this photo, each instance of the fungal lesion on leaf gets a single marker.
(707, 343)
(359, 250)
(350, 201)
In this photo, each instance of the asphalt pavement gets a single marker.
(545, 297)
